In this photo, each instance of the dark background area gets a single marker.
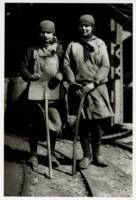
(22, 29)
(22, 25)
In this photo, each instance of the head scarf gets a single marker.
(87, 48)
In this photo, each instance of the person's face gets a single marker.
(85, 30)
(47, 36)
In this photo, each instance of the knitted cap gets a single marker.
(87, 20)
(47, 26)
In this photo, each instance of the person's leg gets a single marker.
(96, 135)
(55, 127)
(34, 131)
(85, 143)
(53, 137)
(33, 143)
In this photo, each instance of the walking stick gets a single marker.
(80, 110)
(48, 133)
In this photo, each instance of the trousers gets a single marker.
(90, 133)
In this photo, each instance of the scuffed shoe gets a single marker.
(98, 161)
(85, 162)
(33, 161)
(55, 162)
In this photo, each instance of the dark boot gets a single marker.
(33, 160)
(97, 159)
(96, 135)
(55, 162)
(87, 158)
(87, 155)
(85, 162)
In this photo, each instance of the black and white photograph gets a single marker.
(68, 99)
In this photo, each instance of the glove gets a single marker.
(88, 88)
(54, 81)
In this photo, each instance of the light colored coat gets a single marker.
(95, 69)
(45, 62)
(41, 60)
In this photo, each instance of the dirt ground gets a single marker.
(113, 181)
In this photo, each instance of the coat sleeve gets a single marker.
(60, 53)
(102, 74)
(25, 65)
(67, 70)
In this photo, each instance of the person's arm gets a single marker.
(25, 65)
(67, 71)
(103, 71)
(60, 53)
(102, 74)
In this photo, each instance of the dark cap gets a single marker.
(87, 20)
(47, 26)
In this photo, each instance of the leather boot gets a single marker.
(85, 162)
(87, 158)
(33, 160)
(55, 162)
(97, 159)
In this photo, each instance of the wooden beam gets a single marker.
(118, 84)
(117, 72)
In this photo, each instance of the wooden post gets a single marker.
(117, 73)
(112, 74)
(119, 81)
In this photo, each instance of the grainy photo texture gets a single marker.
(68, 99)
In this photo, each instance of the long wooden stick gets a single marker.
(48, 133)
(76, 135)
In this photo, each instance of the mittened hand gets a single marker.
(88, 88)
(35, 77)
(59, 76)
(54, 81)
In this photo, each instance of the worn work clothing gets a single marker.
(44, 60)
(87, 61)
(35, 118)
(95, 69)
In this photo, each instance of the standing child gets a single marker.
(86, 62)
(40, 67)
